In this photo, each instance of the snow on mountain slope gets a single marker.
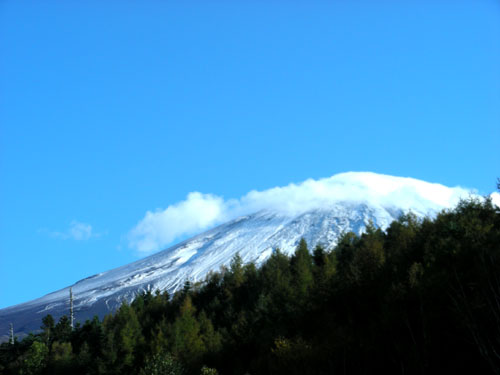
(346, 202)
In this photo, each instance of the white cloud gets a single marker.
(495, 198)
(77, 231)
(199, 211)
(80, 231)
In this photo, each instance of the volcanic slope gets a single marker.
(254, 236)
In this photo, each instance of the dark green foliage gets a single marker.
(208, 371)
(301, 269)
(422, 297)
(162, 364)
(122, 341)
(62, 330)
(61, 357)
(35, 359)
(186, 340)
(47, 329)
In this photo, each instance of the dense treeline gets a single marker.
(422, 297)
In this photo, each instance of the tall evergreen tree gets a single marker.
(47, 328)
(301, 267)
(62, 329)
(122, 340)
(186, 340)
(35, 359)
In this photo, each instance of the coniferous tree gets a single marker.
(35, 360)
(62, 329)
(301, 267)
(47, 328)
(122, 340)
(186, 341)
(421, 297)
(61, 357)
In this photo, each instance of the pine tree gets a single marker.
(122, 340)
(62, 330)
(36, 359)
(47, 328)
(61, 357)
(323, 271)
(236, 274)
(187, 342)
(211, 339)
(301, 265)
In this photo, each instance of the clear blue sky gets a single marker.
(112, 108)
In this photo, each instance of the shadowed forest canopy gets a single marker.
(422, 297)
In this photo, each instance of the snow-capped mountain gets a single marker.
(361, 198)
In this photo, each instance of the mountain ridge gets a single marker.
(254, 236)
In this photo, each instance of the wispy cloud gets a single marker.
(77, 231)
(199, 211)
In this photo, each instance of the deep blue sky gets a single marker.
(109, 109)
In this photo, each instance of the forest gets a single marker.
(421, 297)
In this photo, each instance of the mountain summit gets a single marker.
(317, 210)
